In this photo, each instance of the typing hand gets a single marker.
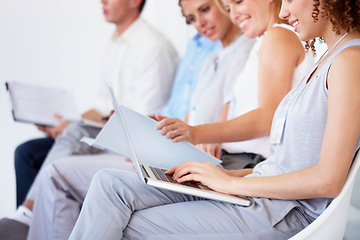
(204, 172)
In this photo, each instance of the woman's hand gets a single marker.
(214, 149)
(174, 129)
(205, 173)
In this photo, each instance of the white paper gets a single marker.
(38, 104)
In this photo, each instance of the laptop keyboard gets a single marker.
(162, 176)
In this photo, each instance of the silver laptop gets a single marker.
(156, 176)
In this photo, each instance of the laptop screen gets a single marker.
(118, 112)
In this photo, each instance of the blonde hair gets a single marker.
(277, 3)
(221, 6)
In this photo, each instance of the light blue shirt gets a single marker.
(197, 51)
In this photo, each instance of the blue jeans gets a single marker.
(29, 157)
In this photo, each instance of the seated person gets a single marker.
(312, 151)
(145, 87)
(68, 178)
(257, 92)
(75, 177)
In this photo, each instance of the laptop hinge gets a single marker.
(144, 172)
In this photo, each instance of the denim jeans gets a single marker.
(29, 157)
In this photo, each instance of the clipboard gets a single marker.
(38, 105)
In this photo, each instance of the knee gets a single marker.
(111, 174)
(73, 131)
(104, 175)
(71, 137)
(76, 132)
(21, 152)
(48, 177)
(101, 183)
(50, 172)
(110, 179)
(24, 147)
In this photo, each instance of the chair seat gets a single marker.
(331, 224)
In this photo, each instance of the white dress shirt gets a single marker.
(141, 64)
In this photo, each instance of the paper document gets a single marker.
(152, 147)
(38, 105)
(112, 138)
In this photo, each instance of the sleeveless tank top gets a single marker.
(245, 96)
(298, 146)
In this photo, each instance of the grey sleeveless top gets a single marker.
(296, 137)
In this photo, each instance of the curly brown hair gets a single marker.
(343, 15)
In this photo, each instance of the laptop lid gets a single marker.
(144, 170)
(118, 112)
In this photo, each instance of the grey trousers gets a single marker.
(120, 206)
(63, 185)
(67, 144)
(62, 191)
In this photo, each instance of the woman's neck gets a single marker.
(273, 17)
(233, 32)
(334, 41)
(273, 20)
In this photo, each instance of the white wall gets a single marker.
(58, 43)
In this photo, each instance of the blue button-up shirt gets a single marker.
(197, 51)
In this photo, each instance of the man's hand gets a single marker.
(53, 132)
